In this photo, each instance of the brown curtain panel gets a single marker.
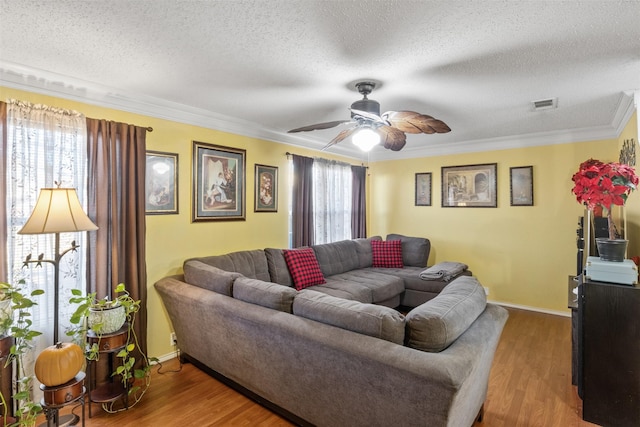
(359, 202)
(116, 186)
(302, 202)
(4, 276)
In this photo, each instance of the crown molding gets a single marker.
(47, 83)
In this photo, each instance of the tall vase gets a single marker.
(613, 250)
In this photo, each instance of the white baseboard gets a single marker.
(167, 357)
(537, 309)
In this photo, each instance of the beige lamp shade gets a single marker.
(58, 210)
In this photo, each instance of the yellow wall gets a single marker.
(522, 254)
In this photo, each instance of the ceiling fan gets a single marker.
(369, 127)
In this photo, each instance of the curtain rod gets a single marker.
(149, 129)
(291, 154)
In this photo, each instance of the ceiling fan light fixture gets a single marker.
(365, 139)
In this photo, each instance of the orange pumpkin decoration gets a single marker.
(59, 363)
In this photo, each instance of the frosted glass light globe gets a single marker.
(366, 139)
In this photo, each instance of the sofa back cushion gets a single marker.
(278, 270)
(364, 251)
(368, 319)
(437, 323)
(252, 264)
(337, 257)
(415, 250)
(208, 277)
(266, 294)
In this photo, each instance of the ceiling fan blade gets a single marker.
(319, 126)
(392, 138)
(340, 137)
(412, 122)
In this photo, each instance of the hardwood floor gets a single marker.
(530, 386)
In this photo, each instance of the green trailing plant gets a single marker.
(23, 334)
(126, 370)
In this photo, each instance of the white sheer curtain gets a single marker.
(44, 144)
(331, 200)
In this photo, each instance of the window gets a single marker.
(44, 145)
(332, 194)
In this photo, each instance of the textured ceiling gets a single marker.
(262, 67)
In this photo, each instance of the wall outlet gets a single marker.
(173, 340)
(486, 290)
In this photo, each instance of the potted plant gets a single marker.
(90, 315)
(603, 185)
(20, 329)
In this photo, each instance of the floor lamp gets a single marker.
(57, 210)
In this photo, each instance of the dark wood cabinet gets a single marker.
(609, 346)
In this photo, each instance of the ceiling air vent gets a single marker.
(545, 104)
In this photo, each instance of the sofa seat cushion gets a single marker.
(344, 290)
(381, 286)
(266, 294)
(434, 325)
(412, 280)
(208, 277)
(368, 319)
(251, 263)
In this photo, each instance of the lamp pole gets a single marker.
(56, 276)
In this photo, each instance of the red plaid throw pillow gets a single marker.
(387, 254)
(304, 268)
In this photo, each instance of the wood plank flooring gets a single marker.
(530, 386)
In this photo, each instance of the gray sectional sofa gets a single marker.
(339, 353)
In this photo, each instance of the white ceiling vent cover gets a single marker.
(545, 104)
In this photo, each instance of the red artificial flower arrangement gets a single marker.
(605, 185)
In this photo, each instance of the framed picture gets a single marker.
(161, 183)
(423, 189)
(266, 189)
(469, 186)
(219, 176)
(521, 183)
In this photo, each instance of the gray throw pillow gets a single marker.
(437, 323)
(368, 319)
(266, 294)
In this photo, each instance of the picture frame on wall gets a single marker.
(266, 188)
(218, 175)
(161, 183)
(470, 186)
(423, 189)
(521, 185)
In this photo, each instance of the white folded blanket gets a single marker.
(445, 270)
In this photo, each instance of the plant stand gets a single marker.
(60, 396)
(109, 344)
(6, 378)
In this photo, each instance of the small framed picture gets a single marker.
(266, 189)
(521, 182)
(469, 186)
(423, 189)
(219, 176)
(161, 183)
